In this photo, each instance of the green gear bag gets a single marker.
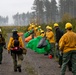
(32, 44)
(26, 34)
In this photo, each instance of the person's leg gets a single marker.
(1, 51)
(57, 51)
(52, 50)
(74, 63)
(14, 61)
(66, 58)
(59, 56)
(70, 65)
(60, 60)
(20, 58)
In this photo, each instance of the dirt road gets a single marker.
(33, 64)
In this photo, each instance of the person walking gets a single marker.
(15, 46)
(67, 45)
(2, 45)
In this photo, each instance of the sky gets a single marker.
(11, 7)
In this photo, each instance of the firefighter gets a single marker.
(58, 35)
(17, 56)
(2, 45)
(67, 45)
(42, 33)
(50, 37)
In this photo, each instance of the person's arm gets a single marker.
(9, 44)
(61, 44)
(21, 42)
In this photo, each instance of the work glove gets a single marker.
(56, 44)
(60, 53)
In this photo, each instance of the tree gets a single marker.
(67, 6)
(54, 10)
(47, 5)
(38, 7)
(16, 19)
(3, 20)
(66, 17)
(61, 7)
(23, 18)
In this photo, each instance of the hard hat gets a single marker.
(48, 27)
(42, 31)
(39, 26)
(33, 26)
(14, 30)
(56, 25)
(68, 25)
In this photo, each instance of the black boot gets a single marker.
(19, 68)
(46, 54)
(15, 70)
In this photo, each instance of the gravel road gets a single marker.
(33, 64)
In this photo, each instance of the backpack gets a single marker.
(16, 48)
(16, 41)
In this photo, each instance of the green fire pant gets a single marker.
(58, 55)
(69, 56)
(52, 51)
(1, 51)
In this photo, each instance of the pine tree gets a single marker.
(38, 7)
(68, 6)
(47, 5)
(54, 10)
(62, 5)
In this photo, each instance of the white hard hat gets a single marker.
(14, 30)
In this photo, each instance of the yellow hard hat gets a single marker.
(32, 26)
(68, 25)
(56, 25)
(39, 26)
(48, 27)
(42, 31)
